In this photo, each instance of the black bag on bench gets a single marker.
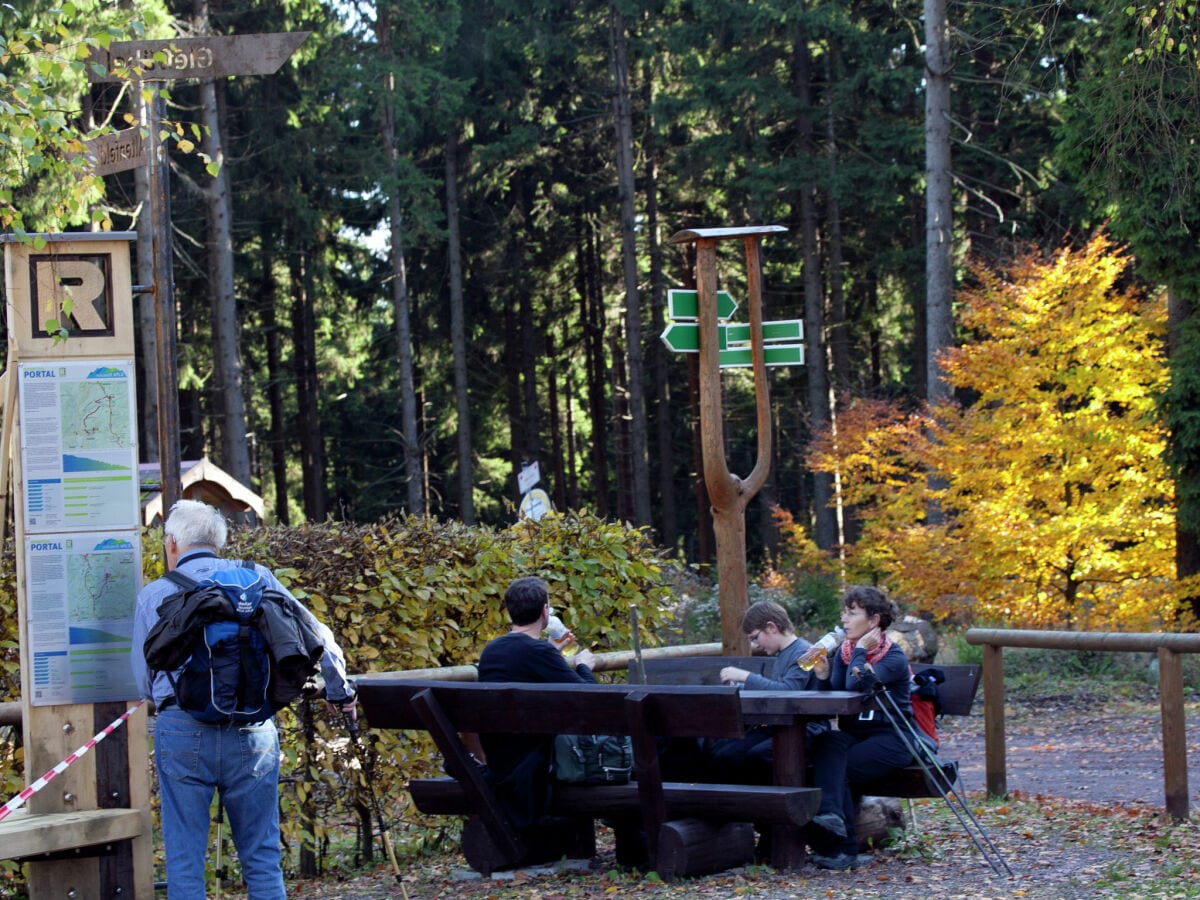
(593, 758)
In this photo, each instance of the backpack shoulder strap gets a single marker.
(180, 579)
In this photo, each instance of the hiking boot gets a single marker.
(840, 862)
(831, 822)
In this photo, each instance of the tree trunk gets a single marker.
(227, 361)
(621, 439)
(593, 323)
(635, 382)
(512, 387)
(308, 414)
(668, 525)
(531, 445)
(825, 531)
(148, 429)
(557, 462)
(939, 272)
(458, 340)
(572, 474)
(839, 330)
(276, 425)
(414, 499)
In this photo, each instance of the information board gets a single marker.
(81, 590)
(78, 445)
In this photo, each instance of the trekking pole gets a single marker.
(929, 764)
(365, 767)
(220, 871)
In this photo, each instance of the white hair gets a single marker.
(196, 524)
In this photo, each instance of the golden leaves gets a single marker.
(1055, 504)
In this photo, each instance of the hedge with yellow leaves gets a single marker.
(403, 594)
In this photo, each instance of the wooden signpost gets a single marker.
(728, 493)
(83, 822)
(210, 56)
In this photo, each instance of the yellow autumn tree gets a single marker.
(1055, 501)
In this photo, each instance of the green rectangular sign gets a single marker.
(782, 330)
(684, 304)
(773, 355)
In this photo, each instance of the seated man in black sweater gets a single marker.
(518, 766)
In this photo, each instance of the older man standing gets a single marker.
(194, 759)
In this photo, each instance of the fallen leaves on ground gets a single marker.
(1065, 850)
(1057, 848)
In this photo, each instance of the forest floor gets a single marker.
(1083, 819)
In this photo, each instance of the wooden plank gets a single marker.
(995, 761)
(746, 802)
(112, 792)
(779, 707)
(693, 234)
(24, 835)
(910, 783)
(510, 708)
(1175, 767)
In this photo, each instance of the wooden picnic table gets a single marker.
(561, 708)
(788, 713)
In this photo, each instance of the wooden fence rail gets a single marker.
(1169, 648)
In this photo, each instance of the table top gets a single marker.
(789, 707)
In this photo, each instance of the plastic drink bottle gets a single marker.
(821, 649)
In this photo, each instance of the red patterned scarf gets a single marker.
(873, 656)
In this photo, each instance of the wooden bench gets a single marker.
(957, 693)
(687, 829)
(957, 696)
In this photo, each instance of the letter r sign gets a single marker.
(73, 292)
(70, 295)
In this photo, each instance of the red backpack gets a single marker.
(927, 701)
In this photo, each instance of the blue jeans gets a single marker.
(242, 762)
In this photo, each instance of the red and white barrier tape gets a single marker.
(18, 801)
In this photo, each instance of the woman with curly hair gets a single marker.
(865, 747)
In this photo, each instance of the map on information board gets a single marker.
(79, 445)
(81, 592)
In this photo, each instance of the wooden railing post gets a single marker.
(1174, 737)
(993, 720)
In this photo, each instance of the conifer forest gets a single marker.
(435, 246)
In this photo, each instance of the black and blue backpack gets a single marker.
(234, 650)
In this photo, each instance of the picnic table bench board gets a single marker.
(957, 695)
(688, 829)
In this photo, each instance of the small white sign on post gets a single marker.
(528, 477)
(535, 504)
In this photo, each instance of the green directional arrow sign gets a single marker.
(684, 337)
(773, 354)
(684, 304)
